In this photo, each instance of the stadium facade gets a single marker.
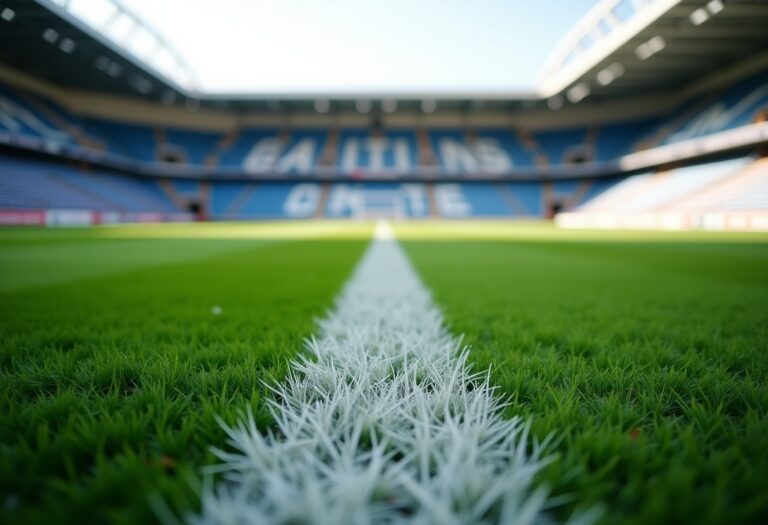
(650, 115)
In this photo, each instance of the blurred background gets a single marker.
(641, 114)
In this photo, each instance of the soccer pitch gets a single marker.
(642, 354)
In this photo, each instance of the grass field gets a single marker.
(645, 353)
(113, 366)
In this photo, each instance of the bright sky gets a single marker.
(353, 46)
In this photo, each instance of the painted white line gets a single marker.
(381, 423)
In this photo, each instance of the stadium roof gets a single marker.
(125, 56)
(621, 48)
(625, 47)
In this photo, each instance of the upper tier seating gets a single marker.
(736, 106)
(127, 140)
(40, 123)
(19, 117)
(194, 146)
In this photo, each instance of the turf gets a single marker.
(113, 366)
(645, 353)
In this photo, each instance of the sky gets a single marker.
(363, 46)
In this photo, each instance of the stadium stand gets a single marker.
(651, 191)
(20, 120)
(746, 189)
(35, 185)
(25, 185)
(541, 156)
(363, 150)
(191, 147)
(729, 193)
(562, 146)
(737, 106)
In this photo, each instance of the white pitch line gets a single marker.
(381, 423)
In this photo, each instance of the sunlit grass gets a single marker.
(647, 359)
(543, 231)
(645, 351)
(110, 383)
(267, 230)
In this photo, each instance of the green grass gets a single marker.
(644, 352)
(113, 367)
(646, 357)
